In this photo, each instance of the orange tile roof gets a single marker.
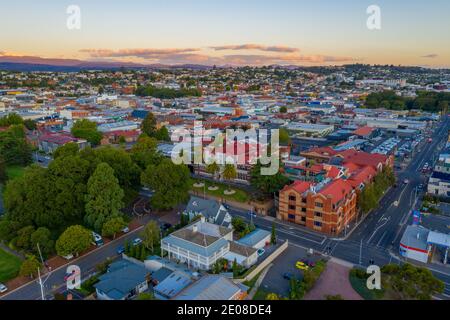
(364, 131)
(337, 190)
(299, 186)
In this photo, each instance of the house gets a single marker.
(124, 280)
(201, 244)
(171, 285)
(49, 142)
(257, 239)
(213, 211)
(213, 287)
(327, 207)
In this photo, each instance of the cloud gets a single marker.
(430, 56)
(138, 53)
(257, 47)
(278, 55)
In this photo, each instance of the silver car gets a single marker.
(3, 288)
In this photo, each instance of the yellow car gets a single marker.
(301, 265)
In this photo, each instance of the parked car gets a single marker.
(68, 257)
(166, 226)
(301, 265)
(120, 250)
(309, 263)
(261, 252)
(3, 288)
(126, 230)
(137, 241)
(288, 276)
(98, 240)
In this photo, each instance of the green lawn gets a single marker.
(260, 294)
(14, 171)
(9, 266)
(239, 196)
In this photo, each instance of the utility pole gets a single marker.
(41, 283)
(360, 253)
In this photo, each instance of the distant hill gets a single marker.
(29, 63)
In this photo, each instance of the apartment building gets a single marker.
(325, 207)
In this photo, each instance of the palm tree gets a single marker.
(229, 172)
(213, 169)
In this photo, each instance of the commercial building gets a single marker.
(326, 207)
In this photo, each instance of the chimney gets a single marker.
(194, 228)
(202, 219)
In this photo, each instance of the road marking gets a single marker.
(376, 230)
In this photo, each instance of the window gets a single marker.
(319, 205)
(292, 198)
(318, 214)
(303, 209)
(291, 207)
(291, 216)
(317, 224)
(303, 219)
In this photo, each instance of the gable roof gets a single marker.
(122, 279)
(208, 208)
(298, 186)
(210, 287)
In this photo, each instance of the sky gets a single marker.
(230, 32)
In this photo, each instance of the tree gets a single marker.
(236, 268)
(145, 296)
(170, 182)
(272, 296)
(273, 236)
(283, 109)
(7, 230)
(151, 235)
(74, 240)
(29, 124)
(213, 169)
(229, 172)
(104, 197)
(69, 149)
(284, 137)
(87, 130)
(148, 125)
(14, 147)
(30, 267)
(162, 134)
(3, 176)
(267, 184)
(23, 239)
(113, 226)
(411, 282)
(42, 236)
(144, 152)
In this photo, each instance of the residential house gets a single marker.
(213, 211)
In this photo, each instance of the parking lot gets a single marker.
(274, 280)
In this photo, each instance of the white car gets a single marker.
(137, 241)
(3, 288)
(126, 230)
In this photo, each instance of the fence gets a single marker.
(265, 263)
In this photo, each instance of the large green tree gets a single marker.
(87, 130)
(13, 146)
(148, 125)
(42, 237)
(170, 182)
(144, 152)
(113, 226)
(74, 240)
(151, 235)
(104, 197)
(69, 149)
(30, 267)
(3, 176)
(266, 183)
